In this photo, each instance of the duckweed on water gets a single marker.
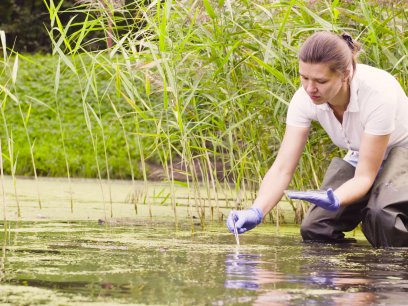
(88, 263)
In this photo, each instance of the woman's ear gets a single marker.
(346, 75)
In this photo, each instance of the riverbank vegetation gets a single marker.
(198, 89)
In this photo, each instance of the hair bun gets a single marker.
(349, 40)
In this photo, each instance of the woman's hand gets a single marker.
(244, 220)
(324, 199)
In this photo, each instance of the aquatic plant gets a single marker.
(202, 87)
(7, 92)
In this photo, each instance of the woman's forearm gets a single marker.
(353, 190)
(271, 189)
(280, 174)
(372, 152)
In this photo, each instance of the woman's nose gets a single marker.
(311, 87)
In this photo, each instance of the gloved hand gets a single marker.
(245, 220)
(324, 199)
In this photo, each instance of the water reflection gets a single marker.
(291, 297)
(241, 271)
(3, 260)
(318, 275)
(357, 268)
(338, 267)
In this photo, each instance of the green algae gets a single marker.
(55, 256)
(85, 262)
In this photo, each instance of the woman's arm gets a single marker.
(371, 155)
(280, 174)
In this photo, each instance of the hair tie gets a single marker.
(348, 39)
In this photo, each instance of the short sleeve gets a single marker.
(300, 111)
(381, 114)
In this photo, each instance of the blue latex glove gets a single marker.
(245, 220)
(324, 199)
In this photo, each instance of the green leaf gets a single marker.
(209, 9)
(28, 114)
(147, 84)
(57, 76)
(8, 93)
(276, 73)
(39, 102)
(15, 70)
(3, 44)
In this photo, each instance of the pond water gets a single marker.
(157, 263)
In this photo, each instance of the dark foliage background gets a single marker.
(25, 22)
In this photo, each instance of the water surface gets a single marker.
(157, 263)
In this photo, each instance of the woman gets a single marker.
(363, 109)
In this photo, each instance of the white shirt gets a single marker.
(378, 106)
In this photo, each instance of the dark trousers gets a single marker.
(383, 211)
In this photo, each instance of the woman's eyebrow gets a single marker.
(315, 79)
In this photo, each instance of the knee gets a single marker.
(376, 216)
(307, 230)
(379, 221)
(384, 227)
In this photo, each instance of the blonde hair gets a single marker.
(339, 51)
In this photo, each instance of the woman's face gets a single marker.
(321, 83)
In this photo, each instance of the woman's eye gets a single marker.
(321, 82)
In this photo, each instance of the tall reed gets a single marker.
(3, 191)
(61, 130)
(203, 86)
(8, 137)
